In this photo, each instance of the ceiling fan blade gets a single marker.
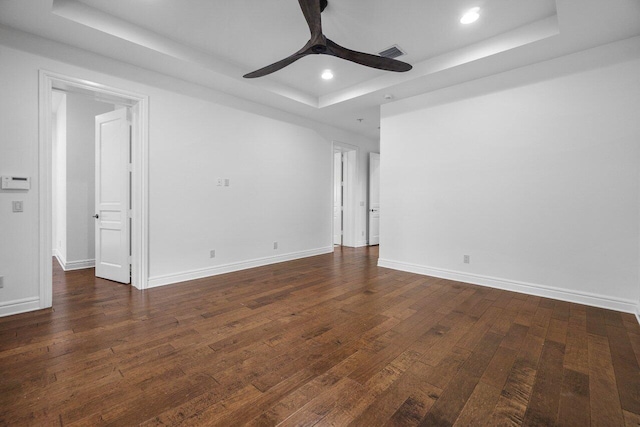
(312, 13)
(373, 61)
(306, 50)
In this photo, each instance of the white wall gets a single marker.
(196, 136)
(80, 176)
(19, 154)
(280, 188)
(537, 182)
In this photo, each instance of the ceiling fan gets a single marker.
(318, 44)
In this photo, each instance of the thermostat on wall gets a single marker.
(16, 183)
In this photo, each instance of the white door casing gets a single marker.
(337, 199)
(112, 183)
(349, 193)
(374, 198)
(139, 104)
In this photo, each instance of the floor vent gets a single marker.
(392, 52)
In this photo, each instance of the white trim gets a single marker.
(45, 191)
(140, 194)
(350, 192)
(74, 265)
(58, 256)
(237, 266)
(18, 306)
(140, 234)
(568, 295)
(637, 313)
(79, 265)
(362, 243)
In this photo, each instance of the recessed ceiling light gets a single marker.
(470, 16)
(327, 74)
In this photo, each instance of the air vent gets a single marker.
(392, 52)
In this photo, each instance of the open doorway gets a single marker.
(338, 198)
(137, 106)
(374, 199)
(344, 194)
(73, 177)
(91, 185)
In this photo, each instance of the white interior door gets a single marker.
(112, 196)
(337, 199)
(374, 199)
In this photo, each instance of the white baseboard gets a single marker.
(74, 265)
(61, 261)
(361, 243)
(637, 313)
(586, 298)
(19, 306)
(237, 266)
(79, 265)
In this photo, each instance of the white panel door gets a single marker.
(374, 198)
(337, 199)
(112, 196)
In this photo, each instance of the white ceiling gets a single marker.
(215, 42)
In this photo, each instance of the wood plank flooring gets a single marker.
(328, 340)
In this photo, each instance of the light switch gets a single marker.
(17, 206)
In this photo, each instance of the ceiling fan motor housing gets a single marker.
(319, 49)
(319, 44)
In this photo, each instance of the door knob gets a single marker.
(96, 216)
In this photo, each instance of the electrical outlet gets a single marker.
(227, 181)
(363, 234)
(18, 206)
(212, 253)
(1, 281)
(467, 259)
(275, 245)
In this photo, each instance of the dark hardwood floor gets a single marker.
(328, 340)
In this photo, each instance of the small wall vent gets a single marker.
(392, 52)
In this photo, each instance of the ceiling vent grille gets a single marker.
(392, 52)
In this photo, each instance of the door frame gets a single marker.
(337, 188)
(349, 191)
(139, 105)
(369, 207)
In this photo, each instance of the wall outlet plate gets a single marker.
(18, 206)
(1, 281)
